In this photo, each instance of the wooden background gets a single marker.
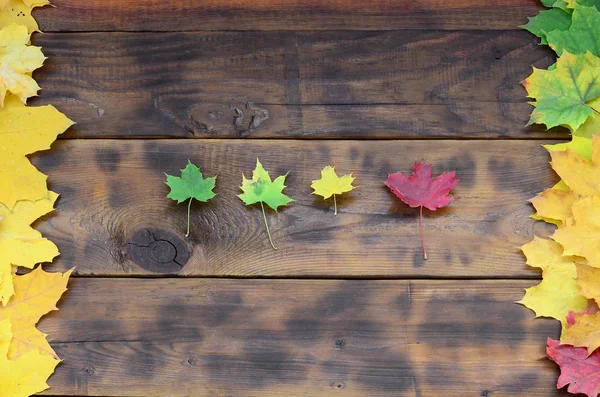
(346, 306)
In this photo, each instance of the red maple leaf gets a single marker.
(422, 190)
(578, 370)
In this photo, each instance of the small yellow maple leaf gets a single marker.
(558, 292)
(19, 12)
(581, 175)
(585, 332)
(17, 61)
(25, 130)
(36, 294)
(20, 244)
(581, 236)
(330, 184)
(554, 205)
(25, 375)
(588, 278)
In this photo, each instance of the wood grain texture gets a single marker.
(222, 337)
(186, 15)
(401, 84)
(114, 218)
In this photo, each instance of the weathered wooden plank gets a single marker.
(293, 85)
(185, 15)
(223, 337)
(113, 217)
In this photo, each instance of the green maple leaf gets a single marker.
(568, 5)
(260, 189)
(548, 20)
(563, 94)
(582, 36)
(191, 185)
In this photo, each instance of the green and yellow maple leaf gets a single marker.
(260, 189)
(25, 375)
(591, 126)
(331, 184)
(562, 95)
(558, 292)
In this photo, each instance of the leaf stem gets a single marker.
(422, 235)
(334, 205)
(267, 225)
(598, 112)
(188, 221)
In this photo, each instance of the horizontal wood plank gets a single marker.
(401, 84)
(222, 337)
(185, 15)
(114, 218)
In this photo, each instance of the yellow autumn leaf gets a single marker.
(541, 253)
(581, 175)
(36, 294)
(588, 278)
(19, 12)
(581, 236)
(25, 375)
(558, 292)
(17, 61)
(554, 205)
(25, 130)
(20, 244)
(585, 332)
(330, 184)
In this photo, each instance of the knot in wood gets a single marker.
(158, 251)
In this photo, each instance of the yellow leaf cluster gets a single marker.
(26, 358)
(570, 260)
(19, 12)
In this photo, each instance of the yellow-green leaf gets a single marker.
(562, 94)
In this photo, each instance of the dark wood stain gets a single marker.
(308, 85)
(227, 336)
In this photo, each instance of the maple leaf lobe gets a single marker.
(421, 189)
